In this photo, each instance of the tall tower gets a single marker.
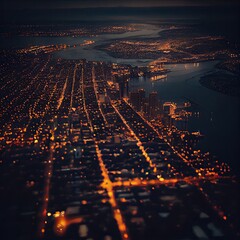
(142, 99)
(153, 104)
(123, 88)
(135, 100)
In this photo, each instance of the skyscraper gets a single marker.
(123, 87)
(142, 97)
(153, 104)
(135, 100)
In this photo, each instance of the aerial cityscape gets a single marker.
(119, 120)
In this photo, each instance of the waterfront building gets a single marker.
(153, 104)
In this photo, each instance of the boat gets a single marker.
(197, 134)
(158, 77)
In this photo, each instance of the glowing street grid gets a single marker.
(107, 172)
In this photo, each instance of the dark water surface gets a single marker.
(219, 114)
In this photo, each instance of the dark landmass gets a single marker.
(66, 30)
(174, 45)
(178, 32)
(222, 82)
(232, 66)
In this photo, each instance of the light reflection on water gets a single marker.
(219, 113)
(218, 117)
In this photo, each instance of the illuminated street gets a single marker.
(86, 128)
(118, 122)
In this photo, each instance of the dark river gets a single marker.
(218, 113)
(218, 117)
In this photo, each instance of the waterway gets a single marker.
(218, 113)
(88, 52)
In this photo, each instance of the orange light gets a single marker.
(60, 226)
(125, 236)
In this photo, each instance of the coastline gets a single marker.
(222, 82)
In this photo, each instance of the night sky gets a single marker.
(52, 11)
(29, 4)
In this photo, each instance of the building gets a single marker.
(123, 88)
(142, 97)
(138, 99)
(153, 104)
(169, 108)
(135, 100)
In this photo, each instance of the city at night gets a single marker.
(120, 120)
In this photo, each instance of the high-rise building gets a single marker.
(135, 100)
(169, 108)
(145, 108)
(153, 104)
(123, 88)
(142, 97)
(138, 99)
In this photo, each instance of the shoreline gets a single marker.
(222, 82)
